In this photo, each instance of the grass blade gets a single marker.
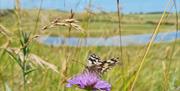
(149, 46)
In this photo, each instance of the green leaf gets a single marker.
(29, 71)
(15, 57)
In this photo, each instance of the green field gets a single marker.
(93, 24)
(160, 71)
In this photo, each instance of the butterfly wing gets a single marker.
(108, 64)
(93, 60)
(95, 64)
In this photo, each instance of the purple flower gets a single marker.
(89, 80)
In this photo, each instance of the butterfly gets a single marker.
(95, 64)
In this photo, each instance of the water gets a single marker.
(133, 40)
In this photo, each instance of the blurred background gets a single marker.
(45, 42)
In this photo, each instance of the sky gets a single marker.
(127, 6)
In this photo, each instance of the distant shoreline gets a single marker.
(155, 12)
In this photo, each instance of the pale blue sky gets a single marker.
(105, 5)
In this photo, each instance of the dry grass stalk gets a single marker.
(34, 59)
(64, 71)
(17, 6)
(42, 63)
(5, 45)
(70, 23)
(149, 46)
(13, 50)
(165, 76)
(4, 31)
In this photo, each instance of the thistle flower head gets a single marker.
(89, 80)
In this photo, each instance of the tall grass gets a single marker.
(149, 45)
(157, 69)
(37, 20)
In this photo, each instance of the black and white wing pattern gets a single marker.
(99, 66)
(93, 59)
(108, 64)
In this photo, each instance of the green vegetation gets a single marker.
(94, 24)
(160, 72)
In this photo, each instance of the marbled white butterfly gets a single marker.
(95, 64)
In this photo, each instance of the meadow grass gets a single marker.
(98, 25)
(151, 77)
(157, 71)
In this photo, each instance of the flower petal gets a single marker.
(89, 80)
(76, 81)
(69, 85)
(103, 85)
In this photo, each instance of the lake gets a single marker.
(133, 40)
